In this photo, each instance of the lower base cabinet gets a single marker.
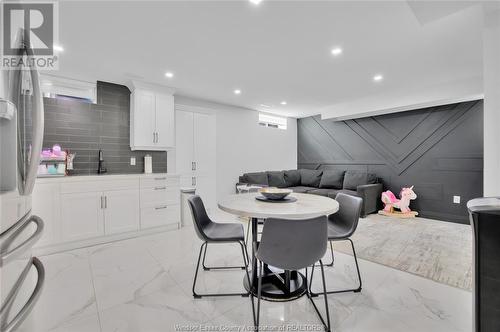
(155, 216)
(76, 211)
(81, 216)
(121, 211)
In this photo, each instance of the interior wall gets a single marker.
(439, 150)
(243, 145)
(491, 64)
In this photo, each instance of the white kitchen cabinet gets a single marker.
(81, 216)
(121, 211)
(142, 122)
(46, 205)
(81, 211)
(165, 121)
(196, 153)
(160, 202)
(184, 151)
(204, 158)
(152, 117)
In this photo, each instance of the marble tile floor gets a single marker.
(144, 284)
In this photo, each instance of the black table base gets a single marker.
(277, 285)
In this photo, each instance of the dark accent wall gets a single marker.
(439, 150)
(84, 128)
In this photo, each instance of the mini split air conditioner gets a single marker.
(54, 87)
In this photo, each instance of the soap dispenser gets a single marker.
(101, 169)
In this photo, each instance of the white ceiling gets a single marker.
(278, 50)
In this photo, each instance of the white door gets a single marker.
(82, 216)
(165, 121)
(184, 147)
(204, 157)
(45, 204)
(144, 118)
(121, 211)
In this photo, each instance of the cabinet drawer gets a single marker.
(159, 181)
(160, 195)
(101, 185)
(160, 215)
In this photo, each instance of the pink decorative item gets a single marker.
(46, 153)
(403, 203)
(56, 150)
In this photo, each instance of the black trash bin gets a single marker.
(484, 216)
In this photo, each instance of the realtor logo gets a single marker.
(31, 24)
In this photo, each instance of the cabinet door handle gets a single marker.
(105, 202)
(154, 137)
(102, 202)
(160, 188)
(157, 179)
(157, 137)
(160, 207)
(194, 163)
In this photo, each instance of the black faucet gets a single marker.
(101, 169)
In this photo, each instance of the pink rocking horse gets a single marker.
(403, 204)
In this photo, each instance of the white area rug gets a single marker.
(437, 250)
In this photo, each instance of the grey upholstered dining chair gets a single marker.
(212, 232)
(341, 226)
(293, 245)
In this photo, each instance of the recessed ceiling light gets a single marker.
(283, 102)
(58, 48)
(169, 74)
(378, 78)
(336, 51)
(237, 91)
(255, 2)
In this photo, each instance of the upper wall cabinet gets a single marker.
(152, 117)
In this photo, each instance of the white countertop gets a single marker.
(80, 178)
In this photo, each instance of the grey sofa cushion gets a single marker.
(292, 178)
(323, 192)
(353, 179)
(332, 179)
(257, 178)
(310, 178)
(276, 179)
(334, 193)
(301, 189)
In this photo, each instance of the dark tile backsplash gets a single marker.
(84, 128)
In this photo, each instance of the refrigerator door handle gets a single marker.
(28, 306)
(7, 256)
(29, 174)
(38, 127)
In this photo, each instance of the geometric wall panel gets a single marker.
(437, 147)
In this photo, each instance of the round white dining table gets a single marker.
(277, 285)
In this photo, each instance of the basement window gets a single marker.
(272, 121)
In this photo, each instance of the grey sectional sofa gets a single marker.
(323, 182)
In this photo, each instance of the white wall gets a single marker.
(491, 63)
(243, 145)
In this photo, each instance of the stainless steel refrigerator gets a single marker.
(21, 135)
